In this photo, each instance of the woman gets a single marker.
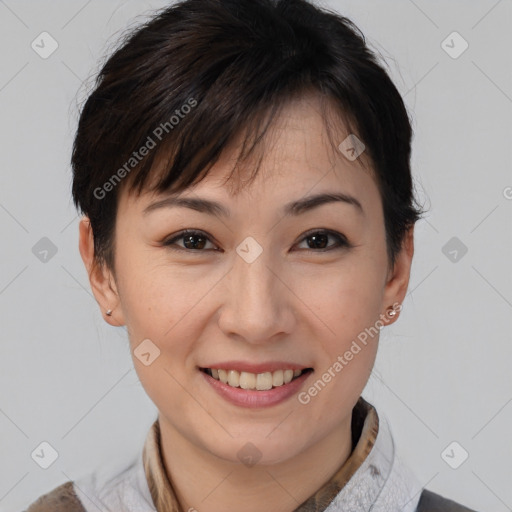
(243, 168)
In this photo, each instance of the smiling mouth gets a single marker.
(255, 381)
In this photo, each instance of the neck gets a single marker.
(204, 482)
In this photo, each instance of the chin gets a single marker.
(250, 453)
(256, 449)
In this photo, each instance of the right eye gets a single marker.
(192, 240)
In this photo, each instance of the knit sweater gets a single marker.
(373, 478)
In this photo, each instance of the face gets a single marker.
(259, 289)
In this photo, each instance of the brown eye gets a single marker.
(196, 241)
(192, 241)
(318, 241)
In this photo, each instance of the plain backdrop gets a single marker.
(443, 370)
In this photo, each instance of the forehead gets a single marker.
(297, 155)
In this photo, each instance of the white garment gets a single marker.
(383, 483)
(126, 491)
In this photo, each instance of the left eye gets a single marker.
(196, 241)
(319, 240)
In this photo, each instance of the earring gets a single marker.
(109, 312)
(391, 311)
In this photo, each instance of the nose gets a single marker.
(258, 302)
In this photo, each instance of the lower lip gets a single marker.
(252, 398)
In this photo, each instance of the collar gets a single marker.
(364, 426)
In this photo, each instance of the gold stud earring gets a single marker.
(391, 311)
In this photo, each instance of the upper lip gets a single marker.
(242, 366)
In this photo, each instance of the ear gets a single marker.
(398, 278)
(100, 277)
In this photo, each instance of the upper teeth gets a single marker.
(259, 381)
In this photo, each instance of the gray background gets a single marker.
(443, 370)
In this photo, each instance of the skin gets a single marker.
(290, 304)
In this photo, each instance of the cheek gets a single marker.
(347, 299)
(168, 305)
(347, 302)
(154, 294)
(171, 320)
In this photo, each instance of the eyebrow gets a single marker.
(217, 209)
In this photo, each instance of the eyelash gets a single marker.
(341, 243)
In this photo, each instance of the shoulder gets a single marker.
(61, 499)
(432, 502)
